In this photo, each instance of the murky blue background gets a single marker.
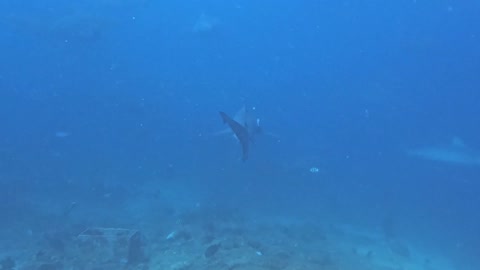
(97, 97)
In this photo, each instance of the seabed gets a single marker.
(142, 234)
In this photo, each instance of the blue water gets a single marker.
(98, 97)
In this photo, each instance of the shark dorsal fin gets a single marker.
(241, 116)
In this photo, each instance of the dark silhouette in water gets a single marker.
(212, 250)
(241, 132)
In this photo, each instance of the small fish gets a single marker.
(62, 134)
(171, 235)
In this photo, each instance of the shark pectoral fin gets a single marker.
(224, 117)
(226, 131)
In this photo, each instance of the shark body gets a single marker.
(455, 153)
(245, 127)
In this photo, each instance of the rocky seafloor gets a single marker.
(209, 239)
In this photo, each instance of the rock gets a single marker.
(50, 266)
(212, 250)
(7, 264)
(399, 248)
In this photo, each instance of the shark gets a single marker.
(245, 126)
(456, 153)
